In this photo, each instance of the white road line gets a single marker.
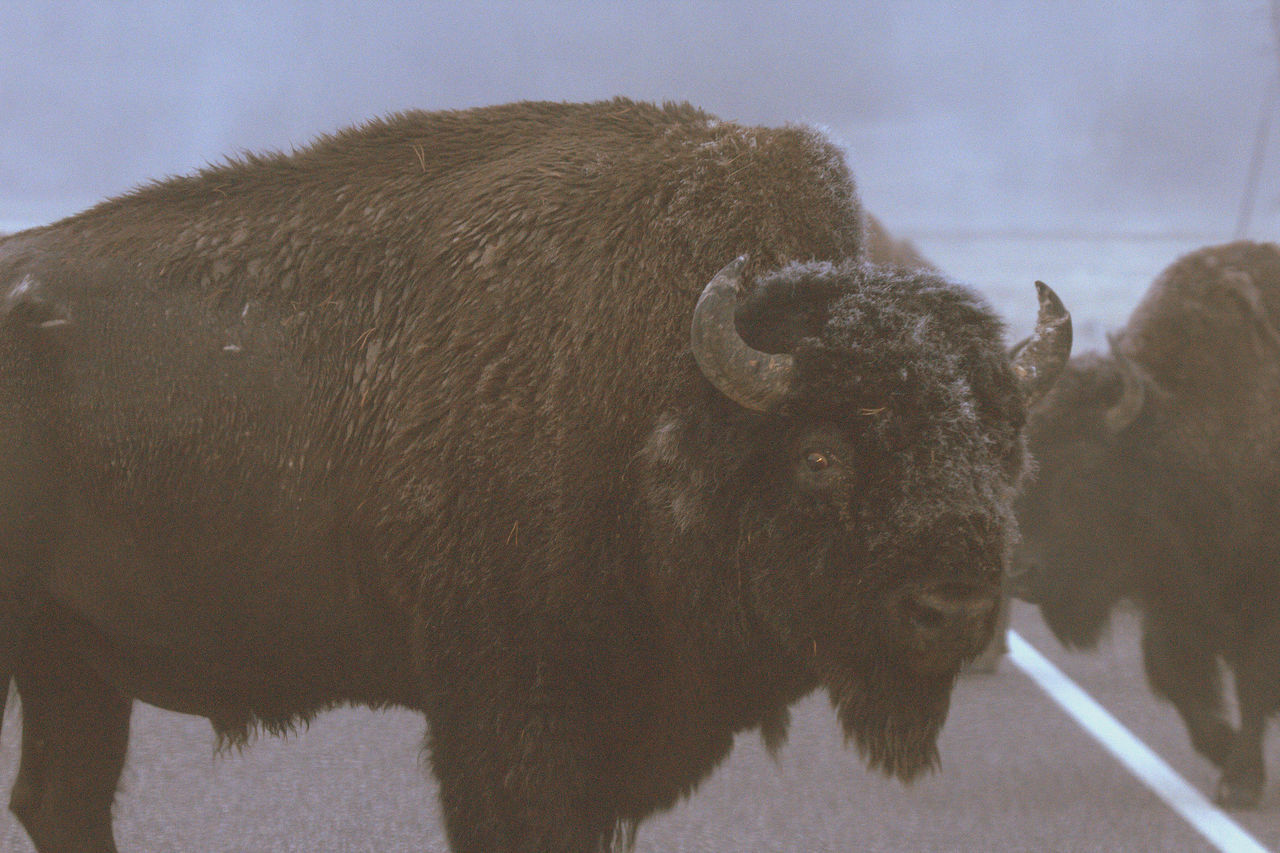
(1206, 818)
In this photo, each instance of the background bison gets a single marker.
(882, 248)
(1159, 480)
(413, 417)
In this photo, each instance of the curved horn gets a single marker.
(1038, 360)
(754, 379)
(1132, 398)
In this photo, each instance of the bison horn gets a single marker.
(754, 379)
(1038, 360)
(1132, 398)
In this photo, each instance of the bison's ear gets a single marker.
(1133, 394)
(674, 481)
(1241, 287)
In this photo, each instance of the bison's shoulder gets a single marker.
(1209, 325)
(1206, 334)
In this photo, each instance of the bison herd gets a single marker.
(596, 434)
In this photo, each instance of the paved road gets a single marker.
(1017, 775)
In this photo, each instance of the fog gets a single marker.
(1087, 144)
(1092, 117)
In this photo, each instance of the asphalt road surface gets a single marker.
(1018, 774)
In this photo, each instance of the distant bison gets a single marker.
(425, 415)
(1159, 480)
(884, 249)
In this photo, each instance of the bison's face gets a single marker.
(864, 519)
(1075, 513)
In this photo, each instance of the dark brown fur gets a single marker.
(1176, 506)
(409, 417)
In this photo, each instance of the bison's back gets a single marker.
(525, 269)
(1208, 333)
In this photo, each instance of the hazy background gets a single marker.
(982, 129)
(1095, 116)
(1086, 143)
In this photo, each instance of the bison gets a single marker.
(1159, 482)
(453, 412)
(883, 249)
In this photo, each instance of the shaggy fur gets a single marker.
(1174, 505)
(409, 417)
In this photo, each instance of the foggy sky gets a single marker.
(1091, 116)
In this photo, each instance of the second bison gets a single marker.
(1159, 481)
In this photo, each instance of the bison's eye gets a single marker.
(816, 461)
(819, 458)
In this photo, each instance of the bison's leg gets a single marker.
(989, 659)
(514, 778)
(1258, 694)
(75, 730)
(12, 635)
(1182, 669)
(16, 604)
(1242, 774)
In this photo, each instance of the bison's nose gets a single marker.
(951, 613)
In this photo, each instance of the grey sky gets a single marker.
(1093, 115)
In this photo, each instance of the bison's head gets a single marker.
(1079, 511)
(847, 480)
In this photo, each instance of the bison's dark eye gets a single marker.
(819, 458)
(816, 460)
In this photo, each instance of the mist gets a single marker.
(1091, 117)
(1084, 144)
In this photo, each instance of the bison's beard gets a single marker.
(892, 713)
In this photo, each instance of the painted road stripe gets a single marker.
(1206, 818)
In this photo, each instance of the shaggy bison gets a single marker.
(882, 248)
(425, 415)
(1159, 481)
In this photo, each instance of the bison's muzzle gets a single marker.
(945, 622)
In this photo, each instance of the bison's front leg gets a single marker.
(1258, 694)
(1243, 773)
(75, 731)
(1183, 669)
(516, 773)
